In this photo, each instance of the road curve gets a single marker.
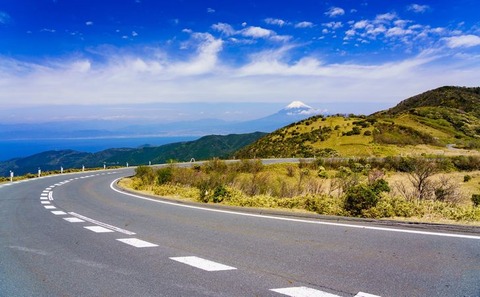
(76, 235)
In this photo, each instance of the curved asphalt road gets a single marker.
(73, 235)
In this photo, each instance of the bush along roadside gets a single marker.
(352, 187)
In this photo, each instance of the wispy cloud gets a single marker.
(277, 22)
(335, 11)
(89, 23)
(5, 18)
(224, 28)
(304, 24)
(417, 8)
(462, 41)
(203, 76)
(257, 32)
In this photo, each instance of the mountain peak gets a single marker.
(297, 104)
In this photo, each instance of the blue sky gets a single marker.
(350, 53)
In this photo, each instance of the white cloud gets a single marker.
(335, 11)
(304, 24)
(210, 10)
(89, 23)
(333, 25)
(462, 41)
(386, 17)
(200, 75)
(417, 8)
(257, 32)
(224, 28)
(134, 34)
(48, 30)
(277, 22)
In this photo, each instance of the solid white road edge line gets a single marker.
(203, 264)
(102, 224)
(296, 220)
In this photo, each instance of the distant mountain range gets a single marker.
(204, 148)
(106, 128)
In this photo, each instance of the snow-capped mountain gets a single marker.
(298, 108)
(294, 112)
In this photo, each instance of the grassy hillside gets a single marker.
(433, 122)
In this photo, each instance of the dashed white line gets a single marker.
(59, 212)
(43, 198)
(303, 292)
(102, 224)
(137, 242)
(97, 229)
(362, 294)
(203, 264)
(50, 207)
(44, 195)
(45, 202)
(74, 220)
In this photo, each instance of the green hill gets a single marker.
(426, 123)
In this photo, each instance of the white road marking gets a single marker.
(74, 220)
(48, 189)
(102, 224)
(303, 292)
(45, 202)
(297, 220)
(43, 198)
(50, 207)
(59, 212)
(137, 242)
(97, 229)
(44, 195)
(362, 294)
(203, 264)
(50, 196)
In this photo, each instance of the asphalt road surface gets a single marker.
(77, 235)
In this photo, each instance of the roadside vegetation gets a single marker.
(423, 188)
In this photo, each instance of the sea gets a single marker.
(20, 148)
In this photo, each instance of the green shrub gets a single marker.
(219, 194)
(164, 175)
(145, 174)
(358, 198)
(379, 186)
(467, 178)
(476, 199)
